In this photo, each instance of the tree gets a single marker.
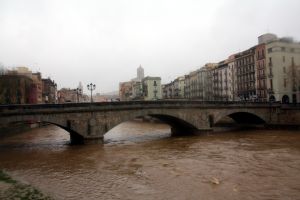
(2, 69)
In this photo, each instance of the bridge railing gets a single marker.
(146, 103)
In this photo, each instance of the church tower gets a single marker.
(140, 73)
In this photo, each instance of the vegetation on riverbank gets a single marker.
(12, 189)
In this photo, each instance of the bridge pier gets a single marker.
(77, 139)
(85, 131)
(99, 140)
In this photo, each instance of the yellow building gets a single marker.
(152, 88)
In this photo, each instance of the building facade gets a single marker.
(125, 90)
(178, 88)
(49, 93)
(16, 89)
(67, 95)
(38, 84)
(245, 68)
(261, 76)
(268, 71)
(152, 88)
(187, 86)
(283, 70)
(137, 90)
(232, 83)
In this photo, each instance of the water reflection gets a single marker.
(141, 161)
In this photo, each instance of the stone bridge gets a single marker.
(88, 122)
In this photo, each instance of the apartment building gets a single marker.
(283, 70)
(152, 88)
(245, 68)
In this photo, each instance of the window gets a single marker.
(284, 83)
(284, 70)
(283, 58)
(269, 50)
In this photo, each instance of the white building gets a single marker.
(232, 86)
(167, 90)
(283, 70)
(178, 87)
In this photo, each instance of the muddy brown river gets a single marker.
(141, 161)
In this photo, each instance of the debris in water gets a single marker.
(215, 181)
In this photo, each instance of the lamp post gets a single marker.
(55, 93)
(155, 90)
(78, 92)
(91, 87)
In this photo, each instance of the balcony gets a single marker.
(262, 76)
(270, 75)
(261, 87)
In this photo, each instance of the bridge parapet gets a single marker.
(90, 121)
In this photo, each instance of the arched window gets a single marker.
(272, 98)
(285, 99)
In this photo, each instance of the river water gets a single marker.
(141, 161)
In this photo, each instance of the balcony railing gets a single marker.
(262, 76)
(270, 75)
(261, 87)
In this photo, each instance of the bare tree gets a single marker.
(2, 69)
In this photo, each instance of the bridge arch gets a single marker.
(242, 117)
(179, 125)
(71, 126)
(75, 135)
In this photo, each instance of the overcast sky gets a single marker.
(104, 41)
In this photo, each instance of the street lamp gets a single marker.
(55, 93)
(91, 87)
(78, 92)
(155, 90)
